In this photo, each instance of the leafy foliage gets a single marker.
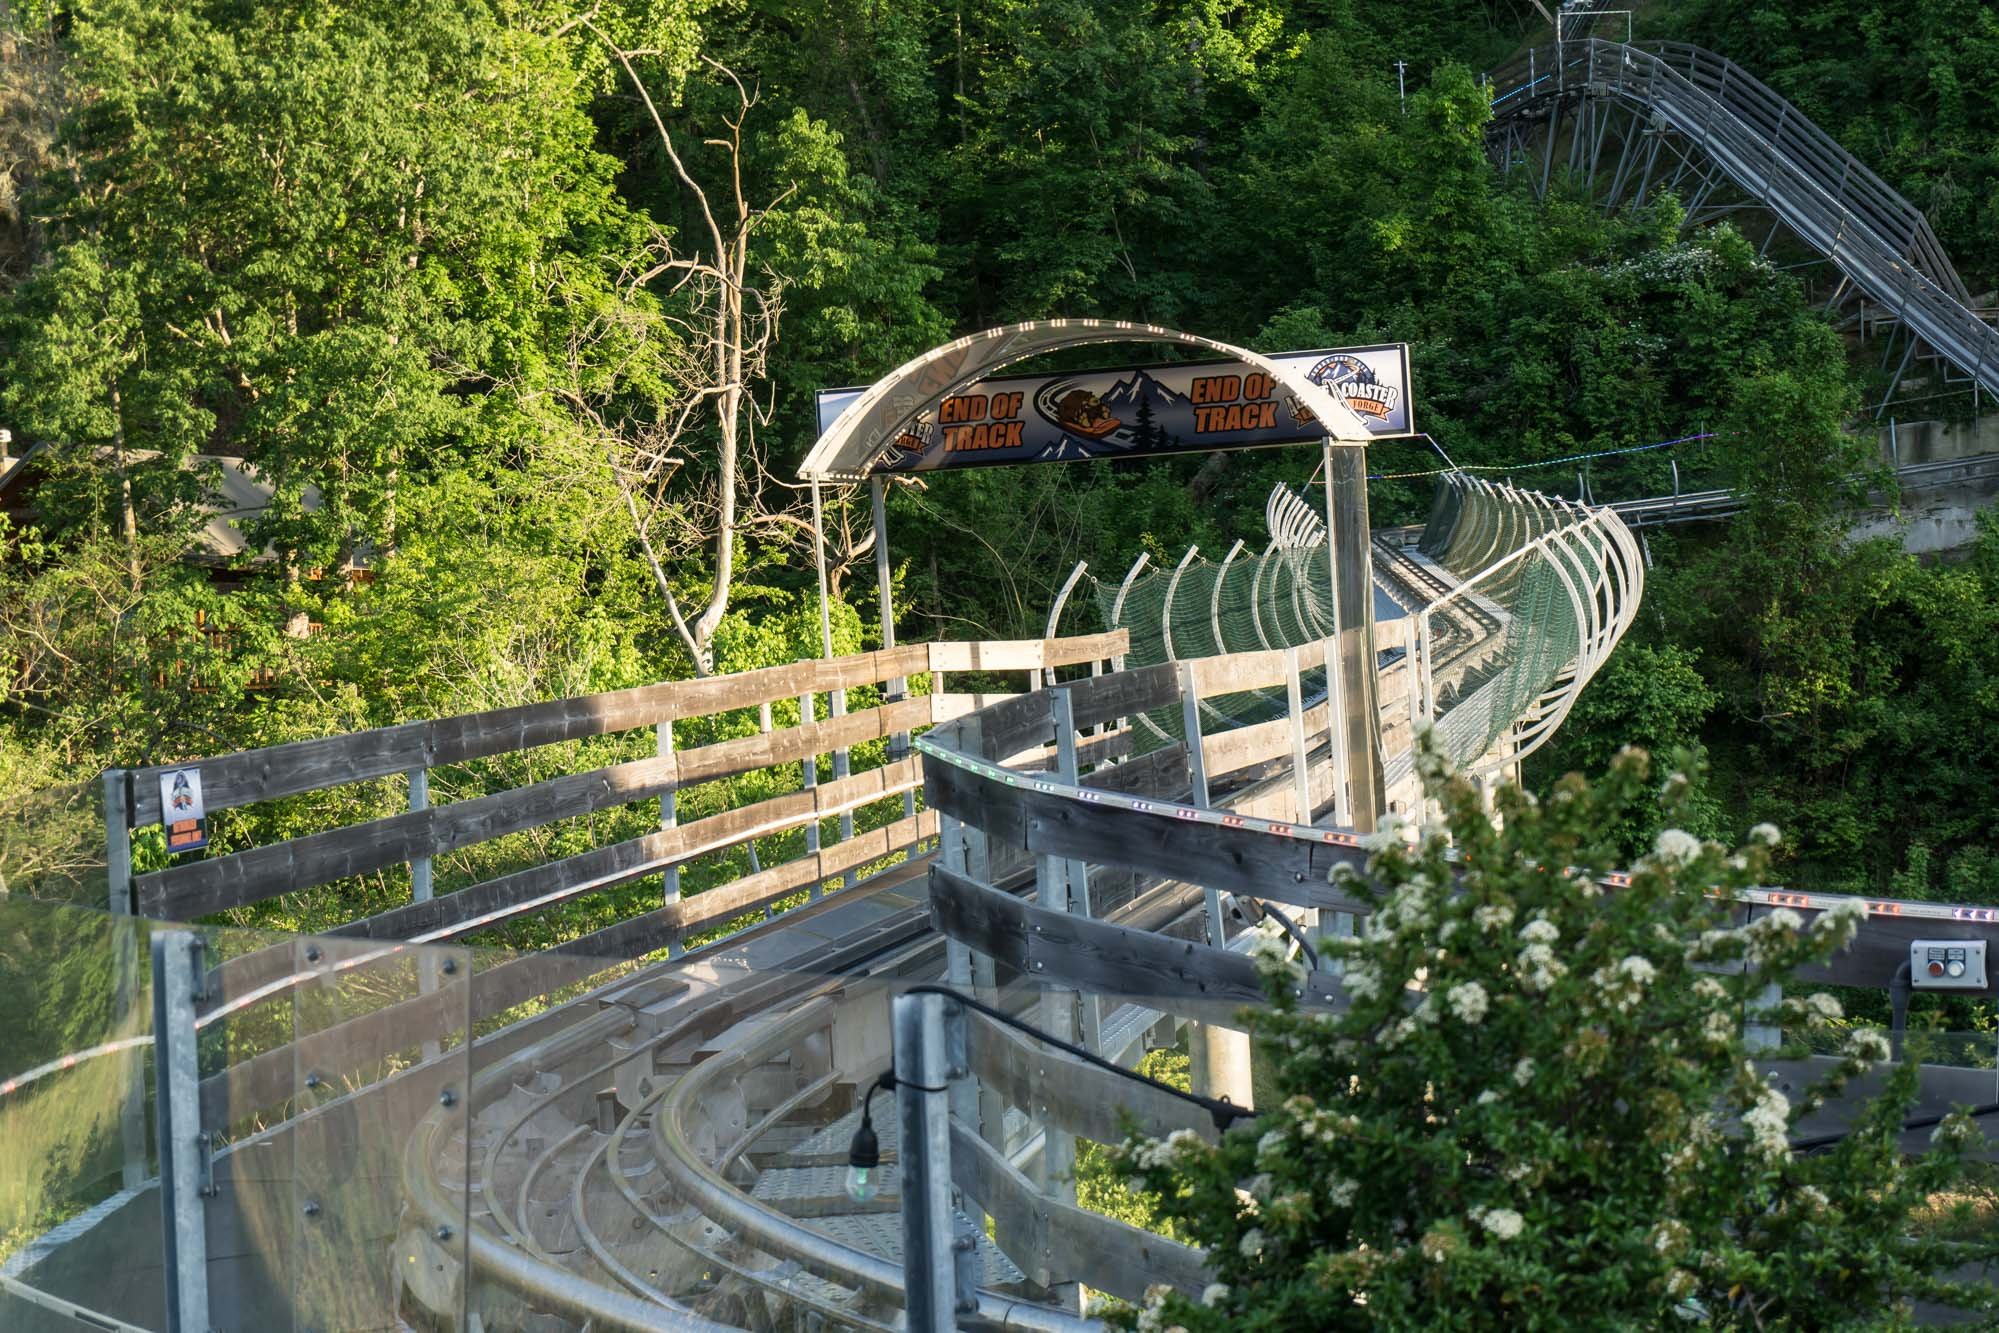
(1540, 1102)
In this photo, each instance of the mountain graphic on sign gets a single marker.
(1125, 396)
(1066, 450)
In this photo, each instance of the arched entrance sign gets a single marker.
(853, 448)
(896, 406)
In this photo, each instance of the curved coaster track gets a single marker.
(648, 1127)
(1627, 123)
(400, 1128)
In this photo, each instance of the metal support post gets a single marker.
(669, 817)
(125, 965)
(1413, 674)
(1336, 737)
(966, 852)
(1353, 572)
(1301, 773)
(1197, 773)
(937, 1257)
(808, 773)
(177, 974)
(421, 892)
(898, 686)
(1056, 1167)
(1076, 874)
(420, 881)
(1218, 1056)
(1761, 1031)
(957, 959)
(842, 768)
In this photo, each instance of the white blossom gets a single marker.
(1709, 945)
(1718, 1028)
(1812, 1197)
(1386, 834)
(1768, 1123)
(1868, 1044)
(1214, 1294)
(1955, 1131)
(1710, 989)
(1639, 969)
(1839, 922)
(1523, 1071)
(1468, 1001)
(1823, 1007)
(1503, 1223)
(1496, 917)
(1341, 1191)
(1540, 931)
(1251, 1244)
(1488, 1097)
(1538, 968)
(1759, 935)
(1676, 847)
(1767, 834)
(1361, 980)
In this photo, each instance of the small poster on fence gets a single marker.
(181, 811)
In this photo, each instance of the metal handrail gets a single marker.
(1818, 189)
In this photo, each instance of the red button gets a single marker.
(1936, 969)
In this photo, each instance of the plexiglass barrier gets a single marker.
(248, 1097)
(372, 1135)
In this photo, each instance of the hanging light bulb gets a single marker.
(864, 1157)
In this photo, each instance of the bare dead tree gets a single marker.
(726, 332)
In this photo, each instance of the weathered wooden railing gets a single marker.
(1008, 783)
(219, 883)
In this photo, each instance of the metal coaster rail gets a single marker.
(651, 1148)
(1751, 137)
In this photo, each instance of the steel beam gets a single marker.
(184, 1148)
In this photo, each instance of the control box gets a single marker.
(1947, 964)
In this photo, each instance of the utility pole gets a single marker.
(1401, 86)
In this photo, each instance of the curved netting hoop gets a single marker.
(1515, 599)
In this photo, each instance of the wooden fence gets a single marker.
(199, 888)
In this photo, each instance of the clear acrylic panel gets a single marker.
(52, 845)
(380, 1062)
(75, 1104)
(305, 1078)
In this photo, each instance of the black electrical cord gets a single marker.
(1224, 1111)
(1290, 928)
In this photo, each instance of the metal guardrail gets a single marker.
(1706, 506)
(1769, 149)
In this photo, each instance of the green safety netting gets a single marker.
(1543, 588)
(1515, 597)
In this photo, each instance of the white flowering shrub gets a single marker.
(1538, 1111)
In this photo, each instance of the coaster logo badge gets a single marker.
(1353, 382)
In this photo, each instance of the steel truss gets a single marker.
(1631, 123)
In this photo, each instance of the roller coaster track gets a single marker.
(1663, 116)
(597, 1137)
